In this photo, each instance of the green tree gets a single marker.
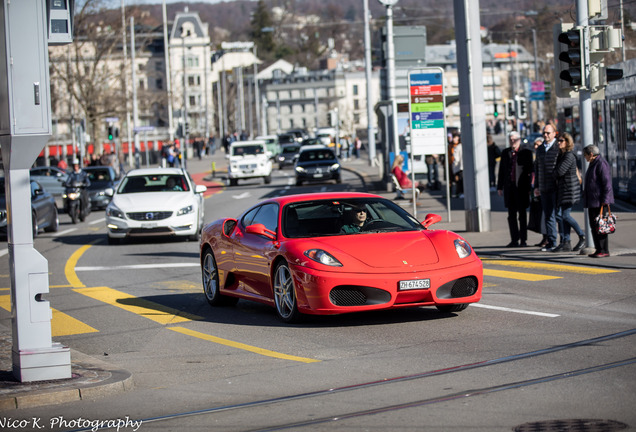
(262, 30)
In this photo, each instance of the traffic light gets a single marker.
(510, 109)
(603, 40)
(495, 111)
(522, 108)
(111, 132)
(574, 56)
(329, 118)
(187, 128)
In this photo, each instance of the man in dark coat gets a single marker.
(597, 195)
(545, 183)
(514, 183)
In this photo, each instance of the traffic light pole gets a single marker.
(585, 104)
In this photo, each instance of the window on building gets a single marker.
(356, 118)
(193, 100)
(355, 89)
(291, 123)
(356, 104)
(142, 84)
(159, 66)
(159, 84)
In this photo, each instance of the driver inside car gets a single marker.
(356, 218)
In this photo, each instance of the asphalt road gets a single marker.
(547, 342)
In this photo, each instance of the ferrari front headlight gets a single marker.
(462, 248)
(322, 257)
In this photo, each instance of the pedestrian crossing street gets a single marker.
(64, 324)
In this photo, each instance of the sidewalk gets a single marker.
(94, 378)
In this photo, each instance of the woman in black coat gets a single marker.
(568, 193)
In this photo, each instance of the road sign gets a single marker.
(426, 111)
(143, 129)
(111, 119)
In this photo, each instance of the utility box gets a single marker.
(24, 70)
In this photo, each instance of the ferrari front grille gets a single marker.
(347, 297)
(463, 287)
(353, 295)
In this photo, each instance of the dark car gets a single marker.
(287, 155)
(50, 178)
(317, 163)
(102, 178)
(43, 209)
(287, 138)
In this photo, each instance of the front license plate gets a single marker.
(149, 225)
(415, 284)
(317, 175)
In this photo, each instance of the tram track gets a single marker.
(461, 394)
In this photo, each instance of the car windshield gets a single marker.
(99, 175)
(247, 150)
(316, 155)
(345, 217)
(153, 183)
(291, 149)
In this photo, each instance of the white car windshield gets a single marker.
(154, 183)
(247, 150)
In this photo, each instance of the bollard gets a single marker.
(213, 169)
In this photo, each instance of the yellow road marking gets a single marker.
(550, 267)
(69, 268)
(241, 346)
(61, 324)
(153, 311)
(518, 275)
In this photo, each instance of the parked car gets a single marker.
(271, 144)
(316, 263)
(50, 178)
(102, 178)
(43, 209)
(288, 155)
(317, 164)
(248, 160)
(155, 202)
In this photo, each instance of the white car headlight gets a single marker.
(462, 248)
(113, 211)
(300, 169)
(334, 167)
(185, 210)
(322, 257)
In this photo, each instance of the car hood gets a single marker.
(384, 250)
(155, 201)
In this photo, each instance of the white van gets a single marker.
(247, 160)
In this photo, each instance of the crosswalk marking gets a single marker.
(550, 267)
(145, 308)
(519, 275)
(61, 324)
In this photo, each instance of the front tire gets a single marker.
(211, 284)
(285, 295)
(452, 307)
(55, 223)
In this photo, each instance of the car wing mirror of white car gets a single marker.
(200, 188)
(259, 229)
(109, 192)
(431, 219)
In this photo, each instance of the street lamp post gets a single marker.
(390, 71)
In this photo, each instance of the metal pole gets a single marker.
(134, 89)
(257, 96)
(391, 77)
(206, 59)
(585, 104)
(184, 150)
(166, 45)
(126, 91)
(368, 75)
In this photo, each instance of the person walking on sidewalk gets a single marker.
(568, 192)
(545, 182)
(597, 196)
(514, 183)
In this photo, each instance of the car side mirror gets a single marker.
(109, 192)
(200, 188)
(259, 229)
(431, 219)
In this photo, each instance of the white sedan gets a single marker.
(155, 202)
